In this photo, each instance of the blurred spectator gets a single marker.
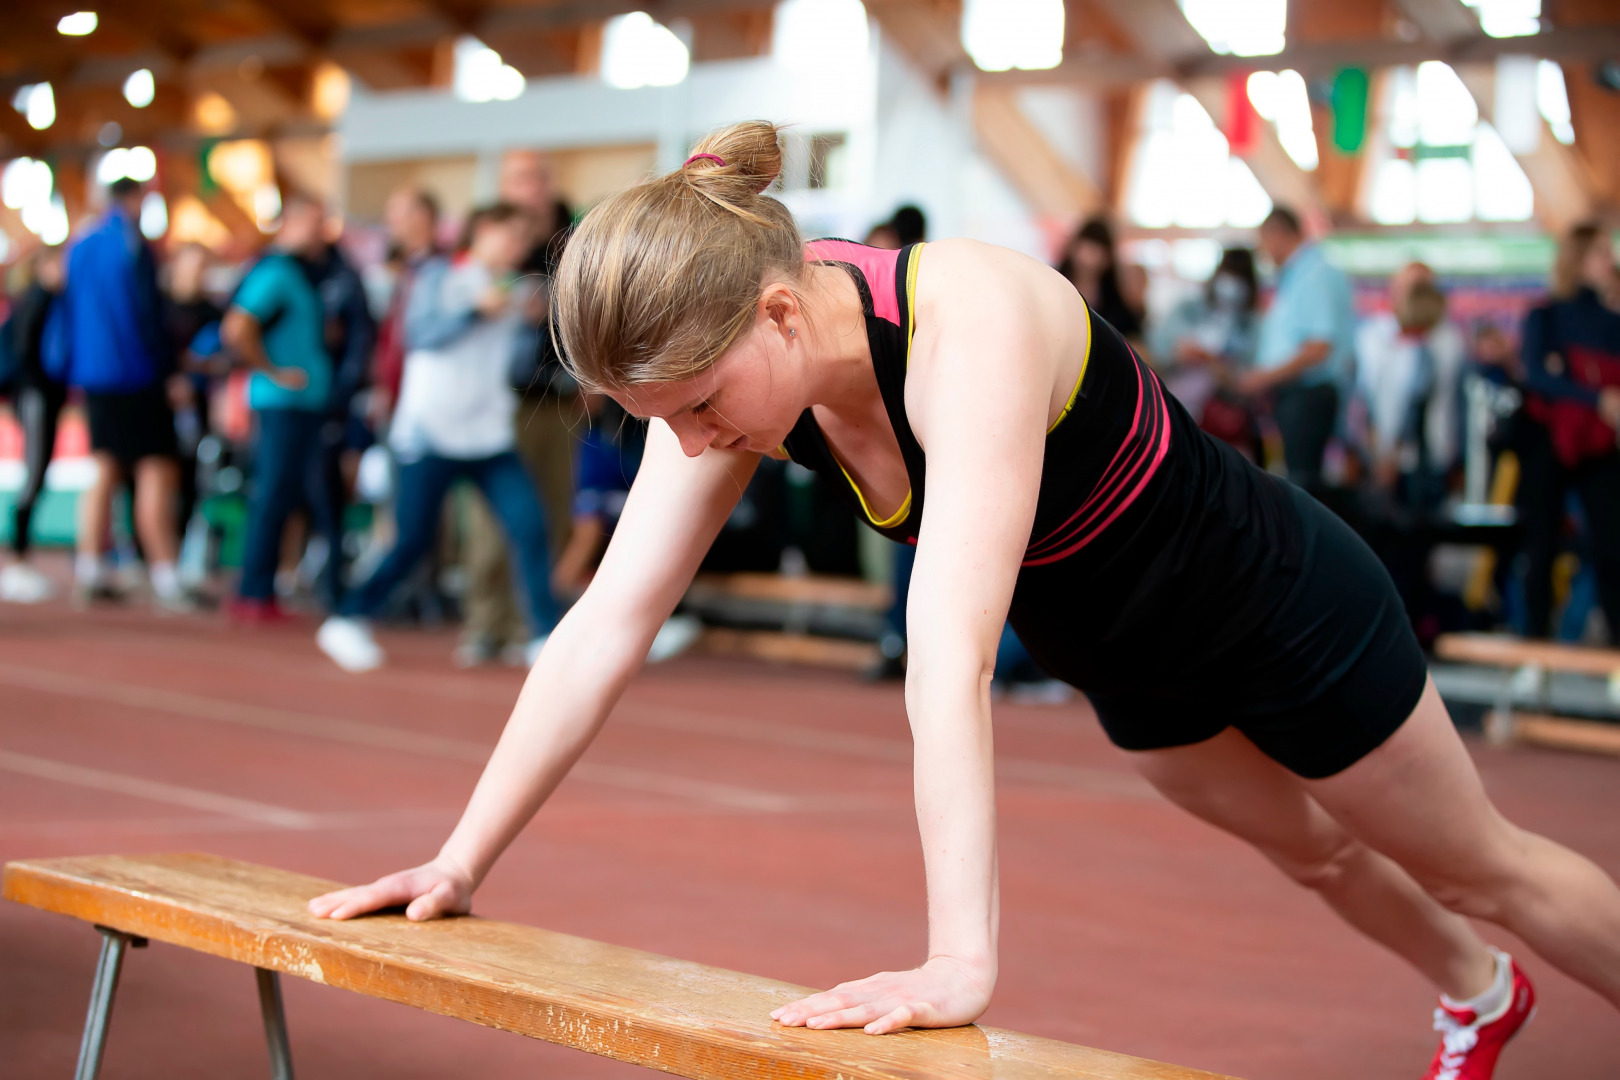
(1091, 263)
(910, 225)
(549, 419)
(1305, 348)
(1571, 360)
(277, 321)
(192, 319)
(454, 422)
(118, 352)
(412, 219)
(350, 336)
(883, 235)
(1208, 340)
(1409, 364)
(37, 399)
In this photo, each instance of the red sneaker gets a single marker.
(1470, 1044)
(245, 612)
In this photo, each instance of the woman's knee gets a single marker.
(1322, 865)
(1485, 882)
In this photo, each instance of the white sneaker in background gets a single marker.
(679, 633)
(349, 644)
(20, 583)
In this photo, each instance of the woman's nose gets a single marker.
(694, 437)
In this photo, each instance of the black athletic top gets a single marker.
(1182, 588)
(1155, 549)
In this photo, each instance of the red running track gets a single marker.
(752, 817)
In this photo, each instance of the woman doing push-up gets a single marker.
(1237, 639)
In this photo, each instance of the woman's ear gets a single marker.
(778, 305)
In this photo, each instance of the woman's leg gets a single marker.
(1233, 786)
(1418, 799)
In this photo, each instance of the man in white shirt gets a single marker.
(1409, 361)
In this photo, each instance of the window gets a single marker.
(1184, 174)
(1436, 161)
(1003, 34)
(1240, 27)
(827, 161)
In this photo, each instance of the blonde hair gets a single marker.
(1569, 268)
(660, 279)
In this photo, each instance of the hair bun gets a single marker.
(750, 156)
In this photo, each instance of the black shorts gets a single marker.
(132, 426)
(1229, 598)
(1343, 626)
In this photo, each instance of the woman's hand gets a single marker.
(430, 891)
(944, 992)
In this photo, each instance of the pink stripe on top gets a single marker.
(877, 265)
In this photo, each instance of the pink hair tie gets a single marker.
(716, 158)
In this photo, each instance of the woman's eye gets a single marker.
(700, 408)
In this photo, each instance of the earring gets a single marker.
(792, 332)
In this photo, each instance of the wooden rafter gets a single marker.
(1563, 189)
(1052, 186)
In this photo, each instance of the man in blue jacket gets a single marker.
(118, 354)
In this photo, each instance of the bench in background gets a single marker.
(1530, 661)
(680, 1017)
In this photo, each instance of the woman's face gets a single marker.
(1091, 257)
(746, 400)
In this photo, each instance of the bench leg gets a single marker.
(275, 1024)
(114, 944)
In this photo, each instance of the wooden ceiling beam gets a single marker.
(1051, 185)
(1444, 22)
(1560, 43)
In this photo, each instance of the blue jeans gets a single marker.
(511, 494)
(287, 475)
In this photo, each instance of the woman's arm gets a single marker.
(980, 393)
(675, 508)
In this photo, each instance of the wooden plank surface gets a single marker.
(1562, 733)
(820, 591)
(680, 1017)
(784, 648)
(1502, 650)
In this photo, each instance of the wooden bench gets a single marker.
(816, 620)
(1530, 660)
(679, 1017)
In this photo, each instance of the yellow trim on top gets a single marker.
(887, 523)
(911, 298)
(1074, 395)
(899, 515)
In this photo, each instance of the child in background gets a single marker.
(454, 421)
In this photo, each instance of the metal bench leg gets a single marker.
(114, 943)
(275, 1024)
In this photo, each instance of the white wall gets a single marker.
(906, 142)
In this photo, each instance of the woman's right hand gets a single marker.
(430, 891)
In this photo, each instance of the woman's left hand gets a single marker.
(944, 992)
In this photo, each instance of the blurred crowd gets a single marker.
(402, 442)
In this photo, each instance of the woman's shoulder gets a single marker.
(959, 275)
